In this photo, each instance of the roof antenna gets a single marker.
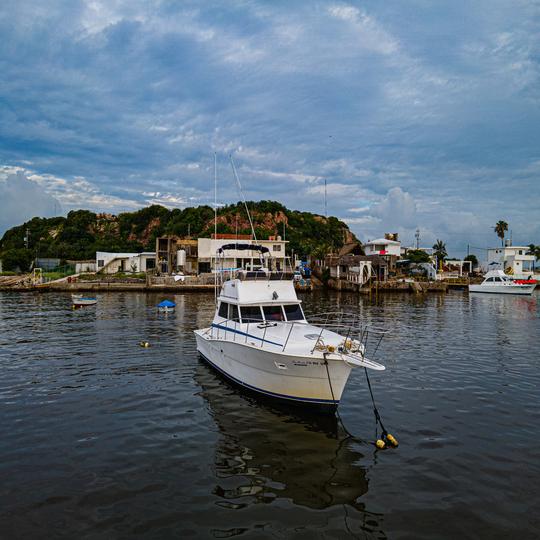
(325, 205)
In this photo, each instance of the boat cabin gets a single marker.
(497, 276)
(259, 300)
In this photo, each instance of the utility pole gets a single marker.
(325, 204)
(417, 236)
(27, 238)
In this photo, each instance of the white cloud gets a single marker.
(22, 199)
(369, 33)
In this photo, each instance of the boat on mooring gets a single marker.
(79, 300)
(497, 282)
(166, 306)
(260, 339)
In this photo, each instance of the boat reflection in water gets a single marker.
(266, 453)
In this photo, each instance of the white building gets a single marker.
(382, 246)
(111, 263)
(513, 260)
(207, 248)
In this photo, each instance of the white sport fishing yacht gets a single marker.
(496, 281)
(260, 339)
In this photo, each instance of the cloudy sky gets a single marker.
(418, 114)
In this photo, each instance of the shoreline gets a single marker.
(111, 286)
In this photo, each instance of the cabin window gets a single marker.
(489, 279)
(100, 263)
(233, 310)
(223, 310)
(251, 313)
(273, 313)
(294, 312)
(276, 247)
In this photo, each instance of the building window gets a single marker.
(101, 263)
(521, 252)
(150, 263)
(276, 247)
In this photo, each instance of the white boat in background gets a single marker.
(260, 339)
(79, 300)
(497, 282)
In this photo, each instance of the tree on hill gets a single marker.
(81, 233)
(16, 259)
(473, 259)
(500, 228)
(417, 256)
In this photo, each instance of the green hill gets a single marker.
(82, 233)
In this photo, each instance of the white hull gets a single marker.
(84, 301)
(502, 289)
(276, 374)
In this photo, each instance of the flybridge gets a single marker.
(257, 292)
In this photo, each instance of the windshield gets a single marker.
(251, 313)
(293, 312)
(273, 313)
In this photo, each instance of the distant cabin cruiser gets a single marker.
(496, 281)
(260, 339)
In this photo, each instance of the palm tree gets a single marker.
(439, 250)
(500, 228)
(534, 250)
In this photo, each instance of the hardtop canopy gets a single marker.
(244, 247)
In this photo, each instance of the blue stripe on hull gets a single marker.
(270, 394)
(244, 334)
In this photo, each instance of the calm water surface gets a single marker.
(103, 439)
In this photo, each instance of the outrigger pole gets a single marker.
(246, 206)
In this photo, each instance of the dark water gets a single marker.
(103, 439)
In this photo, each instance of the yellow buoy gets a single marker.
(380, 444)
(391, 439)
(144, 344)
(330, 348)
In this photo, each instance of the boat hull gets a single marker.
(502, 289)
(302, 380)
(84, 302)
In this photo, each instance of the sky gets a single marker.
(417, 114)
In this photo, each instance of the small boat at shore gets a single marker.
(497, 282)
(78, 300)
(260, 339)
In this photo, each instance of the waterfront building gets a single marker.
(174, 254)
(207, 248)
(111, 263)
(353, 268)
(389, 248)
(513, 260)
(47, 263)
(83, 266)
